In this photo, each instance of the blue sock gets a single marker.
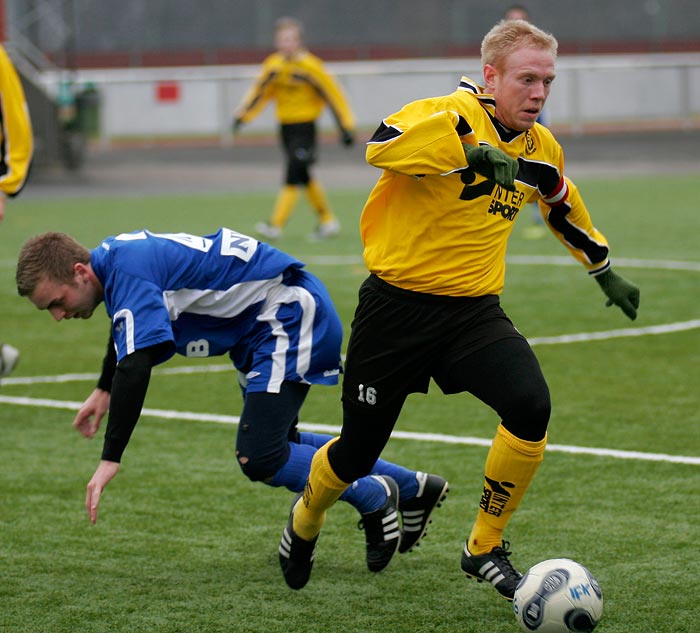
(366, 495)
(406, 479)
(314, 439)
(408, 485)
(294, 473)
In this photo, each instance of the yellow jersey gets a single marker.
(16, 140)
(300, 87)
(432, 225)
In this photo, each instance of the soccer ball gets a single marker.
(557, 596)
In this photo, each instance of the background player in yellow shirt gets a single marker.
(457, 170)
(16, 150)
(301, 87)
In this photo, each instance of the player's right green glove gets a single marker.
(620, 292)
(493, 164)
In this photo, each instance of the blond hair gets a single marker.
(287, 22)
(48, 256)
(510, 35)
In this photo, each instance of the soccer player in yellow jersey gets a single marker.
(16, 151)
(457, 170)
(301, 88)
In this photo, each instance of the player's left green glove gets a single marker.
(619, 292)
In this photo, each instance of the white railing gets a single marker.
(618, 91)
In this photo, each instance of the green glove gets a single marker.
(493, 164)
(347, 138)
(619, 292)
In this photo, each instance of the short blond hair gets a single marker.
(48, 256)
(287, 22)
(510, 35)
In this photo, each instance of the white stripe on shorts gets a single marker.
(277, 297)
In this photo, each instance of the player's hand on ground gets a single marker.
(103, 475)
(492, 163)
(619, 292)
(87, 421)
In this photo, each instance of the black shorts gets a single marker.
(401, 339)
(299, 142)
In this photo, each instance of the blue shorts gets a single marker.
(297, 337)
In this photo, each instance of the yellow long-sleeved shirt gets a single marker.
(300, 87)
(16, 140)
(432, 225)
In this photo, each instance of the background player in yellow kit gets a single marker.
(16, 151)
(457, 171)
(301, 87)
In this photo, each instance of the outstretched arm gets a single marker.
(256, 97)
(571, 222)
(129, 387)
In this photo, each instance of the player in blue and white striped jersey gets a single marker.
(202, 296)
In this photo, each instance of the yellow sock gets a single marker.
(318, 200)
(284, 205)
(510, 467)
(322, 490)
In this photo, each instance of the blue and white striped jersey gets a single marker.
(218, 294)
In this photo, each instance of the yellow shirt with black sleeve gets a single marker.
(16, 140)
(432, 225)
(300, 87)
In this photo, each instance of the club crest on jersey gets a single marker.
(529, 143)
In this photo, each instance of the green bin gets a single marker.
(87, 106)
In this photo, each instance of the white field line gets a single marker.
(529, 260)
(192, 416)
(580, 337)
(424, 437)
(164, 371)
